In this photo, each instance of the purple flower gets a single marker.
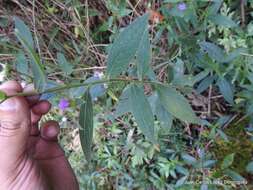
(63, 104)
(181, 6)
(98, 74)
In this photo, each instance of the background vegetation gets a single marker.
(187, 71)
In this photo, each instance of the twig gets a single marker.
(209, 101)
(34, 28)
(76, 85)
(80, 69)
(242, 13)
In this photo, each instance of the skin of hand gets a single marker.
(31, 158)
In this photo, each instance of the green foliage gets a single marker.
(142, 111)
(176, 104)
(126, 46)
(25, 37)
(165, 113)
(86, 124)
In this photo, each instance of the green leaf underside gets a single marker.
(228, 160)
(86, 125)
(163, 116)
(214, 51)
(25, 37)
(223, 21)
(123, 106)
(226, 90)
(22, 63)
(126, 46)
(143, 56)
(24, 32)
(64, 64)
(176, 104)
(142, 112)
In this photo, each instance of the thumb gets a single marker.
(14, 126)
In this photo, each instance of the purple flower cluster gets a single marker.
(181, 6)
(63, 104)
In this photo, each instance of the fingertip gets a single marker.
(41, 107)
(50, 130)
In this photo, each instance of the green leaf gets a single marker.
(176, 104)
(214, 8)
(3, 96)
(142, 112)
(222, 20)
(126, 45)
(189, 159)
(24, 36)
(64, 64)
(226, 90)
(86, 124)
(235, 54)
(181, 181)
(249, 167)
(24, 31)
(143, 56)
(204, 84)
(235, 176)
(21, 63)
(165, 118)
(228, 160)
(124, 103)
(209, 163)
(214, 51)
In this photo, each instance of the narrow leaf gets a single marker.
(64, 64)
(123, 106)
(189, 159)
(86, 124)
(22, 63)
(228, 160)
(142, 112)
(176, 104)
(143, 56)
(222, 20)
(214, 51)
(24, 36)
(24, 31)
(226, 90)
(126, 45)
(249, 167)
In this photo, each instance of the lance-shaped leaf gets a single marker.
(65, 66)
(123, 105)
(176, 104)
(222, 20)
(126, 45)
(142, 111)
(214, 51)
(165, 118)
(86, 124)
(226, 89)
(25, 37)
(143, 56)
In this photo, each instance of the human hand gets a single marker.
(31, 158)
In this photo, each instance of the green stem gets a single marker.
(69, 86)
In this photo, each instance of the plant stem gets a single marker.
(69, 86)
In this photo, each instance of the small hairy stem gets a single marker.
(76, 85)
